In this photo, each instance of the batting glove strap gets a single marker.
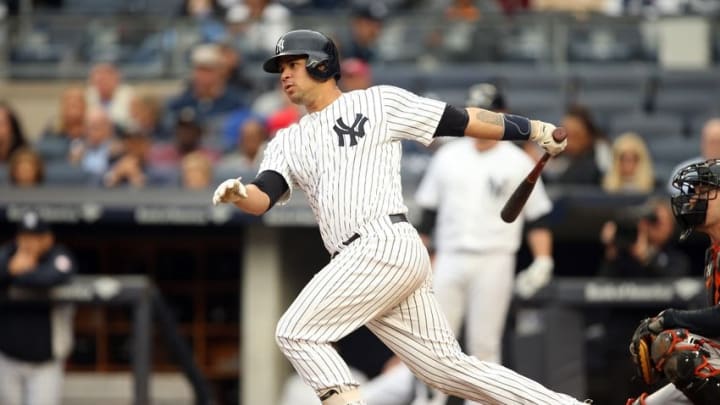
(541, 133)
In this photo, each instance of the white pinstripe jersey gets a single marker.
(346, 157)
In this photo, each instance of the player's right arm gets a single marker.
(271, 185)
(255, 198)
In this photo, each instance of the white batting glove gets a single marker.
(534, 277)
(229, 191)
(541, 133)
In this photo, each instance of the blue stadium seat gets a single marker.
(4, 176)
(537, 104)
(650, 127)
(698, 122)
(163, 176)
(455, 97)
(604, 105)
(671, 151)
(605, 43)
(453, 76)
(52, 148)
(689, 80)
(688, 103)
(63, 173)
(401, 75)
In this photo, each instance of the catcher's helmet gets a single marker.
(697, 183)
(322, 55)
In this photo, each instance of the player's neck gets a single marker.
(323, 98)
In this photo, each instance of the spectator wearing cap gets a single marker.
(366, 24)
(252, 138)
(105, 90)
(233, 65)
(356, 75)
(130, 167)
(207, 93)
(36, 338)
(188, 137)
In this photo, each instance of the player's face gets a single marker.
(295, 80)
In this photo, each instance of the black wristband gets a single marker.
(517, 128)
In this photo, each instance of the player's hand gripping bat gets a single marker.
(519, 197)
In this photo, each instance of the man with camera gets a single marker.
(637, 244)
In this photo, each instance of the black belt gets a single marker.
(394, 218)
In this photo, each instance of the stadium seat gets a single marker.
(52, 148)
(4, 176)
(671, 151)
(605, 43)
(401, 75)
(63, 173)
(650, 127)
(454, 76)
(455, 97)
(160, 176)
(686, 103)
(689, 80)
(605, 104)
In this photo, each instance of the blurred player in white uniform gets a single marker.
(464, 189)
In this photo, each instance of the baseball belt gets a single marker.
(394, 218)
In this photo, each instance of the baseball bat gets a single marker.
(519, 197)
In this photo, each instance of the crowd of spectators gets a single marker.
(110, 133)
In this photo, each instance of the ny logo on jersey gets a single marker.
(356, 130)
(496, 187)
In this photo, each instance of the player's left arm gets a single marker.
(705, 321)
(484, 124)
(487, 124)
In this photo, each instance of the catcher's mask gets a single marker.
(697, 184)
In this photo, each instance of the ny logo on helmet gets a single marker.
(280, 45)
(356, 130)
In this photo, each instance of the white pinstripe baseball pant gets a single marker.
(383, 281)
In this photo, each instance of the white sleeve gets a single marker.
(428, 193)
(274, 159)
(410, 116)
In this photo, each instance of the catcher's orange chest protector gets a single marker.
(712, 274)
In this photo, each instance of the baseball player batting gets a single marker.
(345, 155)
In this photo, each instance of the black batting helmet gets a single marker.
(697, 184)
(322, 55)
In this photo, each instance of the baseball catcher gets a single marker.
(681, 345)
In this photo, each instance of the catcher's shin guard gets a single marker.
(684, 362)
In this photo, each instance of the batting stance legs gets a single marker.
(383, 281)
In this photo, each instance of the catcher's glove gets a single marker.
(640, 348)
